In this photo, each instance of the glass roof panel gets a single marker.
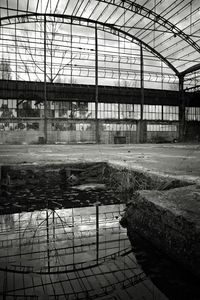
(169, 27)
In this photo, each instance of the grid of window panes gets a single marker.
(8, 108)
(119, 127)
(13, 114)
(152, 112)
(71, 126)
(114, 111)
(19, 125)
(70, 110)
(23, 109)
(91, 110)
(129, 111)
(161, 127)
(192, 113)
(83, 126)
(84, 110)
(170, 113)
(61, 109)
(108, 110)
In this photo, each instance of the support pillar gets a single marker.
(97, 231)
(181, 110)
(45, 84)
(141, 124)
(16, 70)
(47, 239)
(96, 87)
(71, 57)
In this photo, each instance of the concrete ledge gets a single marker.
(170, 220)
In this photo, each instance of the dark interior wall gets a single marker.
(192, 131)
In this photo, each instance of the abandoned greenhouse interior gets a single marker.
(99, 149)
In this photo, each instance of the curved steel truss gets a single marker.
(167, 29)
(106, 27)
(170, 28)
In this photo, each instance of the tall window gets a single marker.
(192, 113)
(129, 111)
(152, 112)
(108, 110)
(170, 113)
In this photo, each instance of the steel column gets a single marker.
(71, 57)
(45, 83)
(97, 231)
(96, 86)
(141, 82)
(141, 123)
(119, 60)
(48, 239)
(181, 109)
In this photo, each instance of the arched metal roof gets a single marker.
(89, 23)
(167, 29)
(170, 27)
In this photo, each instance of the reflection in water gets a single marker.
(7, 222)
(71, 253)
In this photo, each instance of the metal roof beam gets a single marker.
(190, 70)
(150, 14)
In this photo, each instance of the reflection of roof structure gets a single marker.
(54, 253)
(168, 31)
(47, 240)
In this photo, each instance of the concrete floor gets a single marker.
(177, 160)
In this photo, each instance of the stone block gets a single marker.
(170, 220)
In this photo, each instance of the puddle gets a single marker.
(60, 237)
(66, 254)
(33, 188)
